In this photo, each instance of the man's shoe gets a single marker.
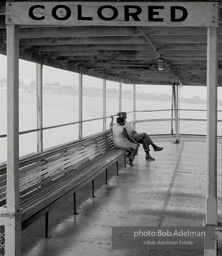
(156, 148)
(128, 153)
(130, 162)
(149, 157)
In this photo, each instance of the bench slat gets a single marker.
(65, 188)
(46, 177)
(71, 175)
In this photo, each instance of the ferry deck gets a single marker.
(176, 44)
(167, 192)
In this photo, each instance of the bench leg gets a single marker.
(117, 168)
(93, 195)
(47, 225)
(74, 204)
(106, 176)
(124, 160)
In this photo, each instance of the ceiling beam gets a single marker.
(81, 41)
(57, 32)
(116, 40)
(109, 47)
(144, 53)
(124, 47)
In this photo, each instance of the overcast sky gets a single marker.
(51, 75)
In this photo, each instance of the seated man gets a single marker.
(121, 139)
(141, 138)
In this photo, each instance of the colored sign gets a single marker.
(167, 14)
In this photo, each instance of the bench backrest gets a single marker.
(38, 170)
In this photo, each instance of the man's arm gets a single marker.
(111, 123)
(129, 127)
(125, 133)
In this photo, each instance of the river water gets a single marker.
(59, 109)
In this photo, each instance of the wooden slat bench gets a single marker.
(46, 178)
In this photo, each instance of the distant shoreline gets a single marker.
(139, 96)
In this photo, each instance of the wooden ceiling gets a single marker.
(125, 54)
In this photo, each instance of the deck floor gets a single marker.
(167, 192)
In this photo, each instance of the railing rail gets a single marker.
(54, 126)
(151, 121)
(129, 112)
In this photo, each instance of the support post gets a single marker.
(212, 80)
(211, 170)
(13, 231)
(120, 97)
(80, 104)
(134, 106)
(175, 95)
(104, 104)
(39, 82)
(178, 111)
(172, 111)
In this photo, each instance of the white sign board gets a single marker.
(162, 14)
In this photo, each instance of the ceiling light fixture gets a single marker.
(160, 63)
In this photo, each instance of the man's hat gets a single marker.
(122, 114)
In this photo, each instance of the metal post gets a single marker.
(93, 188)
(13, 230)
(104, 104)
(47, 224)
(176, 114)
(106, 177)
(211, 171)
(39, 83)
(80, 104)
(134, 106)
(178, 111)
(172, 111)
(211, 168)
(120, 97)
(74, 204)
(117, 168)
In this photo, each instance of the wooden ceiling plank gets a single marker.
(110, 47)
(124, 47)
(115, 40)
(82, 41)
(135, 58)
(103, 55)
(57, 32)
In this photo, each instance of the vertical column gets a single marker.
(80, 104)
(120, 97)
(39, 83)
(134, 106)
(212, 81)
(104, 104)
(13, 230)
(176, 114)
(172, 111)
